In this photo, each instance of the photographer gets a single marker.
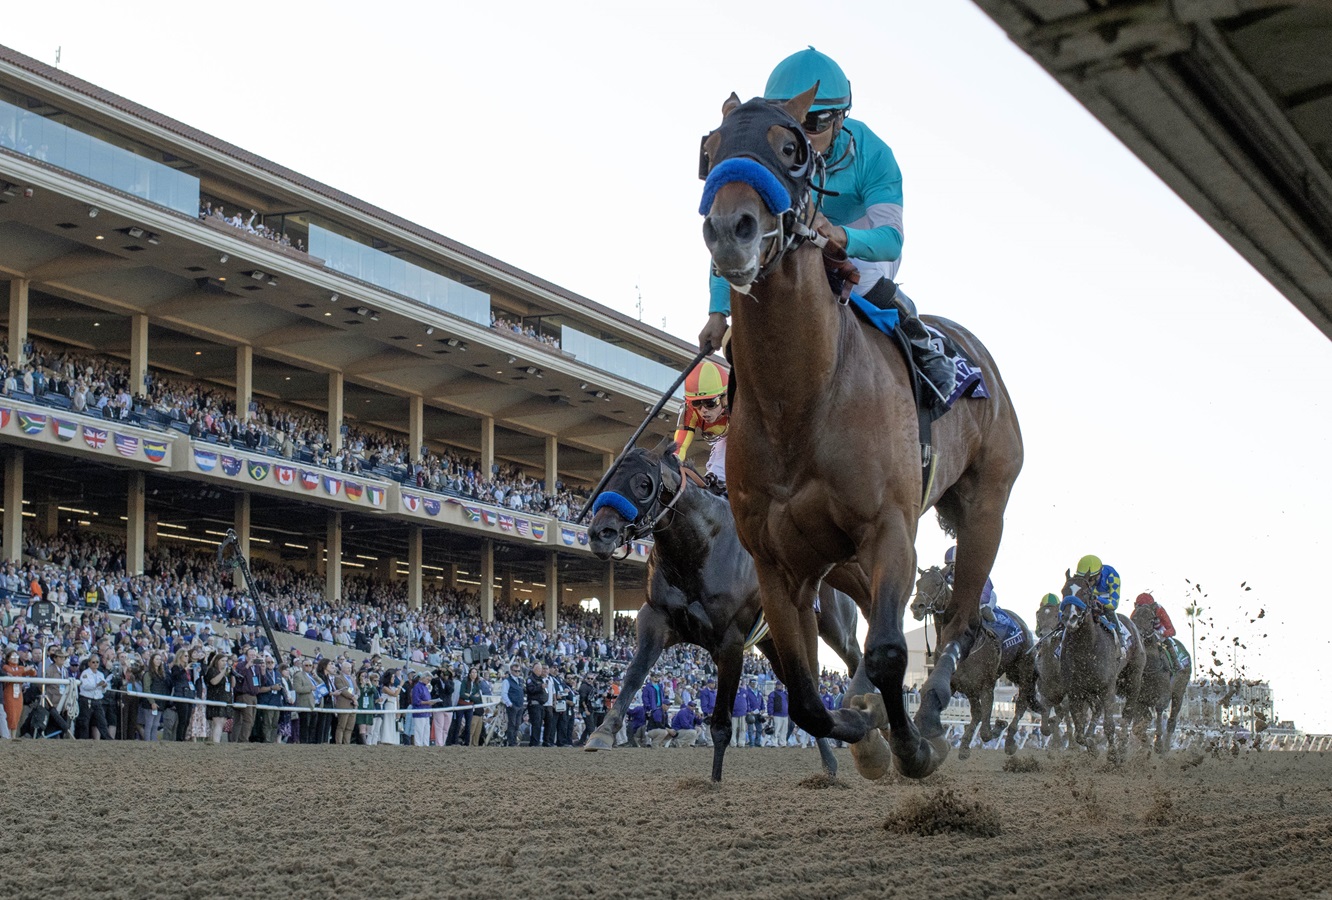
(52, 696)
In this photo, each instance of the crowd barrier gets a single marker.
(376, 711)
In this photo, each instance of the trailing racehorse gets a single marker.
(1161, 689)
(1050, 685)
(824, 452)
(702, 588)
(975, 676)
(1094, 664)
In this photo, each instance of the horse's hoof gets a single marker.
(871, 704)
(963, 752)
(597, 741)
(930, 754)
(1010, 746)
(872, 756)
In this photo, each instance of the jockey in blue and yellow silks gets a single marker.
(705, 413)
(1103, 583)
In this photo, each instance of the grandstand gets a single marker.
(200, 339)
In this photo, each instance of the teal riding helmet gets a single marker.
(797, 74)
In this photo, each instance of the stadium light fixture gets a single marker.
(92, 212)
(154, 239)
(135, 231)
(374, 317)
(362, 311)
(272, 281)
(223, 259)
(333, 299)
(430, 330)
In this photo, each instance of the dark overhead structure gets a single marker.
(1228, 101)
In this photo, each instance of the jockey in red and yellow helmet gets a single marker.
(705, 413)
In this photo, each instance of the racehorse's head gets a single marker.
(1144, 618)
(1047, 619)
(757, 165)
(1078, 585)
(644, 484)
(932, 593)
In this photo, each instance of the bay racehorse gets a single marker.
(1050, 685)
(976, 676)
(1094, 666)
(696, 559)
(823, 454)
(1161, 689)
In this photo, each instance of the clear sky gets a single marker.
(1174, 405)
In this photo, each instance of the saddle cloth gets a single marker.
(1011, 634)
(1185, 661)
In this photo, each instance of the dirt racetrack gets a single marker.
(84, 819)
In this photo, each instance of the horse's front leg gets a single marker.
(915, 753)
(968, 733)
(730, 661)
(654, 635)
(789, 609)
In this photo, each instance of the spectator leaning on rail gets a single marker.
(861, 210)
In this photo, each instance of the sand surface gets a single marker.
(84, 819)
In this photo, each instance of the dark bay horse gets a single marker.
(1161, 689)
(975, 677)
(824, 456)
(696, 558)
(1050, 684)
(1091, 664)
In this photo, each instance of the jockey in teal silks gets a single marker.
(861, 213)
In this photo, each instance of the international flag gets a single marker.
(285, 475)
(411, 502)
(430, 506)
(582, 538)
(539, 531)
(640, 548)
(354, 490)
(488, 517)
(258, 470)
(31, 423)
(376, 496)
(567, 535)
(332, 485)
(154, 450)
(309, 480)
(4, 416)
(65, 431)
(506, 522)
(471, 513)
(524, 527)
(94, 437)
(204, 459)
(231, 465)
(127, 445)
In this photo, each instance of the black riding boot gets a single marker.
(936, 368)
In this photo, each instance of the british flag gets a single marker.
(94, 437)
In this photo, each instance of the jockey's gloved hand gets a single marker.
(710, 338)
(835, 234)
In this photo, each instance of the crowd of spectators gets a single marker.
(96, 385)
(250, 224)
(182, 630)
(525, 332)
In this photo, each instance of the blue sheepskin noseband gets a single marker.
(617, 502)
(753, 173)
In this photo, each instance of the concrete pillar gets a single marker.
(320, 566)
(608, 603)
(335, 410)
(552, 463)
(415, 425)
(414, 567)
(150, 531)
(244, 380)
(48, 518)
(487, 589)
(506, 589)
(451, 576)
(552, 591)
(242, 526)
(13, 522)
(134, 525)
(18, 318)
(333, 565)
(607, 460)
(487, 445)
(138, 354)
